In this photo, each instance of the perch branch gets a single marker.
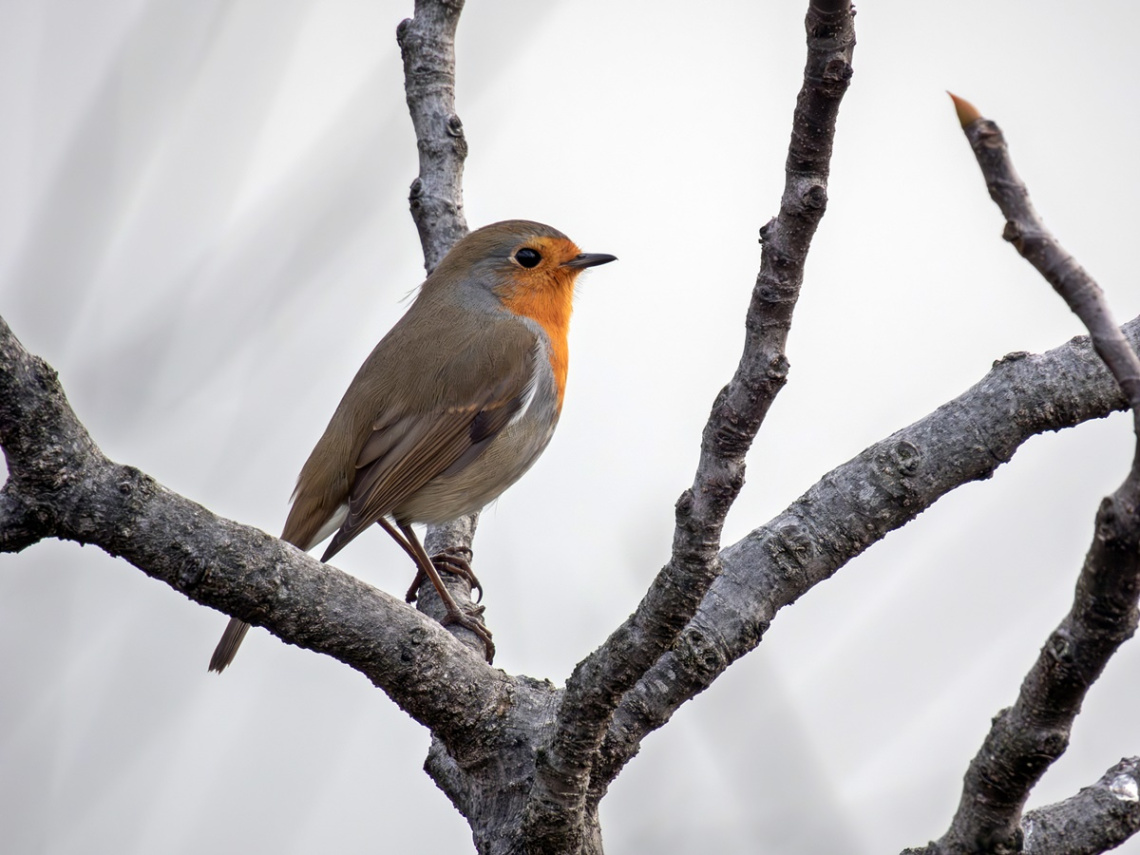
(61, 485)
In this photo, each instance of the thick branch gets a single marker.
(66, 488)
(1028, 737)
(854, 506)
(1096, 819)
(599, 681)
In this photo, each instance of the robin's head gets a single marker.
(519, 260)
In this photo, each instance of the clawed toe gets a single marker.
(468, 620)
(452, 560)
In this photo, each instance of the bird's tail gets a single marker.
(227, 648)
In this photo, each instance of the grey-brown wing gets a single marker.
(404, 453)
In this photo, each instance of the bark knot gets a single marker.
(791, 548)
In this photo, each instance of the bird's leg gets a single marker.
(450, 560)
(454, 614)
(409, 597)
(396, 536)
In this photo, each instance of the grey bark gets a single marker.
(61, 485)
(427, 45)
(1096, 819)
(489, 724)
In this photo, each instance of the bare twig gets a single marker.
(598, 683)
(1096, 819)
(1025, 230)
(61, 485)
(427, 44)
(852, 507)
(1026, 738)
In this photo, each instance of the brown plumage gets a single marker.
(451, 407)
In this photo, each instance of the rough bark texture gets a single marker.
(489, 726)
(1096, 819)
(1025, 229)
(427, 44)
(557, 812)
(1028, 737)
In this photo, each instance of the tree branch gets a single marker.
(61, 485)
(1028, 737)
(599, 681)
(1096, 819)
(852, 507)
(427, 44)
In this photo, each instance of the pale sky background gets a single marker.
(204, 228)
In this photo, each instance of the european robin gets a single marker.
(451, 407)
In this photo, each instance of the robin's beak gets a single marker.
(589, 259)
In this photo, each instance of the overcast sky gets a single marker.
(204, 228)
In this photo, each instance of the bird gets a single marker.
(451, 407)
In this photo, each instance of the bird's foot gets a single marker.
(454, 560)
(451, 560)
(470, 620)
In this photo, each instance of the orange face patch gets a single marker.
(544, 292)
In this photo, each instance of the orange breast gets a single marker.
(549, 305)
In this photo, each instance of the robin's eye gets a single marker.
(528, 257)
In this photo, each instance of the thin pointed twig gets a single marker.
(1027, 232)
